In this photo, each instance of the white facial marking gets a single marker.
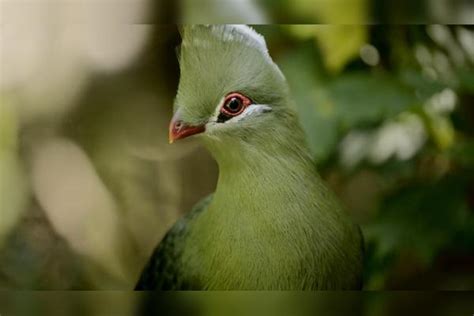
(251, 110)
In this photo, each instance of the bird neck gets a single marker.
(264, 169)
(270, 212)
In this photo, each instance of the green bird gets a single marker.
(271, 223)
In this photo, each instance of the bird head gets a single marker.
(229, 89)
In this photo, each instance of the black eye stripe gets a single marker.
(223, 118)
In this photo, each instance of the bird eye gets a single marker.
(234, 104)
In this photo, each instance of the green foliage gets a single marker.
(420, 207)
(364, 98)
(13, 186)
(339, 44)
(421, 218)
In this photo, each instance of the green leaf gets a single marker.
(466, 78)
(13, 184)
(362, 98)
(422, 219)
(423, 86)
(339, 44)
(314, 106)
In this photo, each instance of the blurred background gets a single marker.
(89, 184)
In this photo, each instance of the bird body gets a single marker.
(271, 223)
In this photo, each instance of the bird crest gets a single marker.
(206, 36)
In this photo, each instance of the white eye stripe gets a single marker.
(254, 109)
(251, 110)
(217, 111)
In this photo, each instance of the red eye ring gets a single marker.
(234, 104)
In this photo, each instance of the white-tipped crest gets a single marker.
(244, 34)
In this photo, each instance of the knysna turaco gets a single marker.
(271, 223)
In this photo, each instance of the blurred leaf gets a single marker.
(463, 153)
(13, 186)
(80, 207)
(8, 126)
(466, 78)
(130, 152)
(424, 87)
(420, 218)
(335, 11)
(362, 98)
(339, 43)
(441, 130)
(314, 107)
(348, 101)
(222, 12)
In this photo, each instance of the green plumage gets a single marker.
(271, 223)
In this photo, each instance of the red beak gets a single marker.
(178, 129)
